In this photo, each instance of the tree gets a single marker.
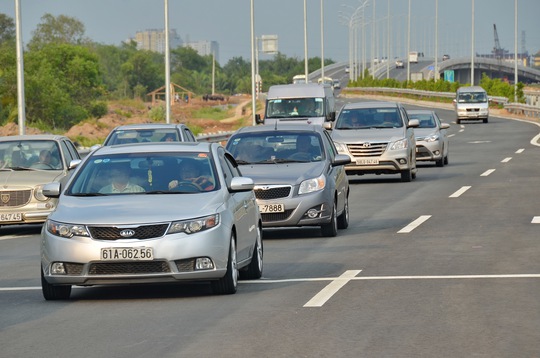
(144, 68)
(57, 30)
(7, 28)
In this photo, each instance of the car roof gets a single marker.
(33, 137)
(281, 127)
(149, 126)
(414, 111)
(371, 104)
(156, 147)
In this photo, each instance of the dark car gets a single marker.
(299, 176)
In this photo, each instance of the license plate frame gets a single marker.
(367, 161)
(140, 253)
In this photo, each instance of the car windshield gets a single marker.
(366, 118)
(295, 107)
(123, 136)
(276, 147)
(145, 173)
(30, 155)
(472, 97)
(425, 119)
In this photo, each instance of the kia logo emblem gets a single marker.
(127, 233)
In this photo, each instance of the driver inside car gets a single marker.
(190, 174)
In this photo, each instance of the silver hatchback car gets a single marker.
(299, 177)
(152, 213)
(432, 144)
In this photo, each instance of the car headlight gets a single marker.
(38, 193)
(194, 225)
(341, 147)
(66, 230)
(400, 144)
(431, 138)
(312, 185)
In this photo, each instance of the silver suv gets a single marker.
(378, 137)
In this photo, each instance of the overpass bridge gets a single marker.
(493, 68)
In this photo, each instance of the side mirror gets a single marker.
(258, 119)
(413, 123)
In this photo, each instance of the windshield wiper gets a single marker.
(87, 194)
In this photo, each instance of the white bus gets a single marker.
(299, 79)
(413, 57)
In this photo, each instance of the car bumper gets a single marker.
(174, 257)
(385, 164)
(296, 209)
(428, 151)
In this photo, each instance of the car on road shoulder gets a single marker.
(432, 143)
(152, 213)
(299, 177)
(378, 137)
(27, 163)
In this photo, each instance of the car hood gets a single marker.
(424, 132)
(29, 178)
(286, 173)
(367, 135)
(137, 208)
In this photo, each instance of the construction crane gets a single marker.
(497, 51)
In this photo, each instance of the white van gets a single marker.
(471, 103)
(309, 103)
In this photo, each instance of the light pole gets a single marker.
(167, 66)
(253, 99)
(322, 40)
(515, 50)
(472, 46)
(409, 43)
(21, 114)
(436, 40)
(305, 42)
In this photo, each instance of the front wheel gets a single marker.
(406, 175)
(255, 267)
(343, 219)
(54, 292)
(330, 229)
(228, 284)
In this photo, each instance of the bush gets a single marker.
(98, 109)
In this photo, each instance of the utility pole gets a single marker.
(21, 114)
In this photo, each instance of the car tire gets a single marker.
(485, 120)
(406, 175)
(343, 219)
(255, 267)
(439, 162)
(330, 229)
(228, 284)
(446, 160)
(54, 292)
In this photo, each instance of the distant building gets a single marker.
(154, 40)
(536, 59)
(205, 48)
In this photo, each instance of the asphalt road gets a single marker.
(444, 266)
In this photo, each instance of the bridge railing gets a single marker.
(517, 108)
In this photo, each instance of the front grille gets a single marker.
(141, 232)
(276, 216)
(367, 149)
(272, 192)
(187, 265)
(128, 268)
(73, 269)
(13, 198)
(473, 109)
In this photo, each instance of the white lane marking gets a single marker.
(535, 220)
(15, 237)
(487, 172)
(326, 293)
(506, 160)
(519, 151)
(458, 193)
(461, 130)
(451, 135)
(414, 224)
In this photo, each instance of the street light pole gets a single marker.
(167, 66)
(436, 40)
(409, 43)
(472, 46)
(322, 40)
(515, 50)
(305, 42)
(21, 114)
(253, 99)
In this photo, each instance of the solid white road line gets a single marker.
(506, 160)
(326, 293)
(458, 193)
(414, 224)
(487, 172)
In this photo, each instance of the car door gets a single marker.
(338, 174)
(244, 209)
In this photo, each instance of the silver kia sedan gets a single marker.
(152, 213)
(299, 176)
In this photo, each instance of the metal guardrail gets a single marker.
(214, 137)
(523, 109)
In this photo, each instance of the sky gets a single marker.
(228, 22)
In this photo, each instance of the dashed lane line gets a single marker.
(535, 220)
(458, 193)
(487, 172)
(414, 224)
(506, 160)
